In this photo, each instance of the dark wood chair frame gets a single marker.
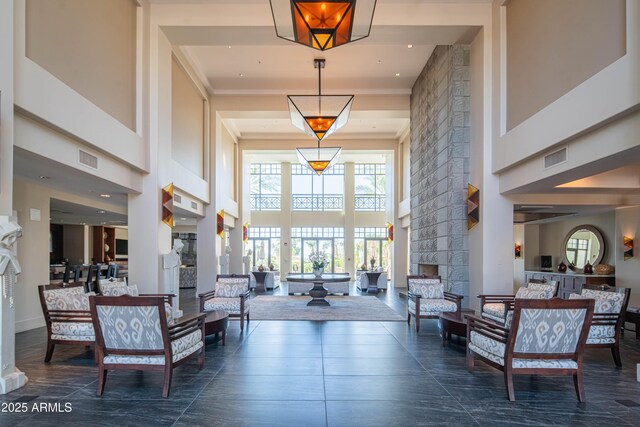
(66, 316)
(168, 298)
(611, 319)
(170, 333)
(243, 297)
(508, 337)
(449, 296)
(508, 300)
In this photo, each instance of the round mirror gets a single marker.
(583, 244)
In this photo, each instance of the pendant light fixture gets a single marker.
(319, 115)
(318, 159)
(324, 24)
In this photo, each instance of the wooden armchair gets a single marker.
(134, 333)
(500, 307)
(529, 347)
(610, 309)
(231, 294)
(427, 299)
(67, 316)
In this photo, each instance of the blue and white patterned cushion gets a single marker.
(427, 288)
(78, 302)
(487, 344)
(230, 305)
(56, 299)
(116, 289)
(231, 287)
(180, 349)
(606, 302)
(548, 288)
(73, 329)
(87, 338)
(526, 293)
(433, 306)
(130, 327)
(495, 310)
(549, 330)
(602, 334)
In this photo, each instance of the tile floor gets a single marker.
(323, 374)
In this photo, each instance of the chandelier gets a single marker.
(324, 24)
(319, 115)
(318, 159)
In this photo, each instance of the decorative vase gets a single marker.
(562, 268)
(271, 266)
(373, 263)
(318, 271)
(603, 269)
(261, 268)
(587, 269)
(363, 266)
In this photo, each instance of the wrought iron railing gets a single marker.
(313, 202)
(371, 202)
(259, 202)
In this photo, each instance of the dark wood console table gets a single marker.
(318, 292)
(260, 276)
(373, 281)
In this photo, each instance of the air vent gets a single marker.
(555, 158)
(88, 159)
(177, 198)
(194, 205)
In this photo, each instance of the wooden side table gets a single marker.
(373, 281)
(261, 277)
(633, 316)
(216, 322)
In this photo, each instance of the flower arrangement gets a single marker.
(319, 260)
(372, 261)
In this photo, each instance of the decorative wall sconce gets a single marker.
(473, 206)
(628, 247)
(220, 224)
(245, 233)
(167, 205)
(518, 251)
(390, 232)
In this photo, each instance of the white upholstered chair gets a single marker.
(362, 282)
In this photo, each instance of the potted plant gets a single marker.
(372, 261)
(319, 261)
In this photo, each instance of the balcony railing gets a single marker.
(259, 202)
(312, 202)
(371, 202)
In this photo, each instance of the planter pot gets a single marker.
(318, 272)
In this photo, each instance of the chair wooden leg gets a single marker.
(201, 359)
(168, 372)
(248, 319)
(508, 382)
(241, 322)
(579, 384)
(615, 351)
(102, 380)
(50, 347)
(408, 318)
(470, 361)
(417, 323)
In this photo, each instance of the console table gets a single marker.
(318, 293)
(373, 281)
(260, 278)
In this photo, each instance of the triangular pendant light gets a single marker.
(323, 24)
(319, 115)
(318, 159)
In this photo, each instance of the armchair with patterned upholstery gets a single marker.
(547, 337)
(499, 308)
(231, 294)
(608, 320)
(136, 333)
(427, 299)
(67, 316)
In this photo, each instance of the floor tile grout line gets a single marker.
(324, 382)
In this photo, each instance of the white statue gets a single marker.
(224, 261)
(246, 261)
(9, 265)
(171, 264)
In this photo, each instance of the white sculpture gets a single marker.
(246, 261)
(224, 261)
(171, 264)
(10, 231)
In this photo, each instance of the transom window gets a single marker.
(305, 240)
(265, 186)
(370, 186)
(264, 243)
(310, 192)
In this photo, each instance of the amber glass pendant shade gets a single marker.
(325, 24)
(319, 115)
(318, 159)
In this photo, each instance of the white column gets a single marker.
(394, 197)
(11, 377)
(285, 220)
(349, 218)
(149, 237)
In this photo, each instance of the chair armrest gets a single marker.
(412, 296)
(186, 325)
(204, 297)
(449, 296)
(505, 299)
(167, 297)
(68, 316)
(245, 295)
(486, 328)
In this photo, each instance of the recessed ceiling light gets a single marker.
(409, 46)
(241, 75)
(106, 196)
(397, 74)
(103, 223)
(44, 177)
(83, 223)
(101, 212)
(379, 61)
(184, 219)
(229, 46)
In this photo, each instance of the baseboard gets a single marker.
(28, 324)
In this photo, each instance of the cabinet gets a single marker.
(570, 283)
(104, 244)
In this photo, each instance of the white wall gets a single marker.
(518, 263)
(628, 272)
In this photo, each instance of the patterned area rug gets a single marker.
(267, 307)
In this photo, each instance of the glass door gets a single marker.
(373, 249)
(313, 245)
(261, 253)
(326, 247)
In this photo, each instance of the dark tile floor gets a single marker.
(325, 374)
